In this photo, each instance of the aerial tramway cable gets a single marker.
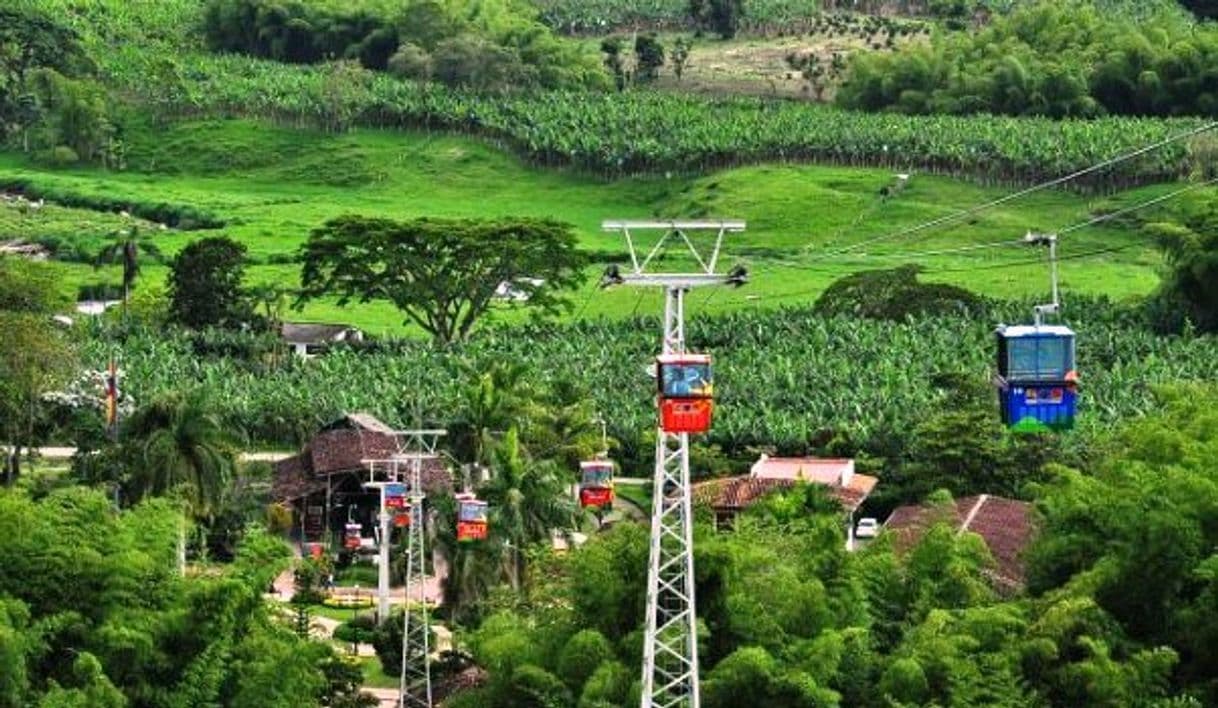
(1069, 229)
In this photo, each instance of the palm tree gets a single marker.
(126, 246)
(567, 427)
(498, 399)
(181, 448)
(527, 501)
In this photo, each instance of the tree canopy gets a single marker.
(205, 284)
(443, 274)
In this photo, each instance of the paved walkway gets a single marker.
(388, 697)
(62, 453)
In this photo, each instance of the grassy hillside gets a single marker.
(271, 185)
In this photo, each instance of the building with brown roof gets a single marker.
(1006, 526)
(323, 484)
(729, 496)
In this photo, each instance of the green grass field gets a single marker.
(273, 185)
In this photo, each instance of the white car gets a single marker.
(867, 528)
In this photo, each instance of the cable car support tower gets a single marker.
(414, 446)
(670, 648)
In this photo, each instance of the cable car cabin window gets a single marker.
(597, 476)
(1039, 358)
(687, 380)
(472, 513)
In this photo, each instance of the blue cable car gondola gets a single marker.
(1037, 380)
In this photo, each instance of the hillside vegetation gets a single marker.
(1053, 59)
(268, 187)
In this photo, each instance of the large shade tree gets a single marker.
(443, 274)
(205, 284)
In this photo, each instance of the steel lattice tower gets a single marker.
(415, 686)
(670, 648)
(414, 446)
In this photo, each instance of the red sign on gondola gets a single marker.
(351, 539)
(595, 497)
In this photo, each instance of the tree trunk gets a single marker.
(12, 464)
(182, 545)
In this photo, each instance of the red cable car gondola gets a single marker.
(351, 538)
(686, 384)
(471, 518)
(596, 484)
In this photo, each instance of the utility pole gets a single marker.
(670, 648)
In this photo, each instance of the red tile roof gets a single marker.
(1004, 524)
(737, 493)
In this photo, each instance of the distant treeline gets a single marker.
(1049, 58)
(484, 47)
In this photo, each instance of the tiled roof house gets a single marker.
(1006, 526)
(731, 495)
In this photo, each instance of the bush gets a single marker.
(582, 655)
(895, 295)
(309, 578)
(62, 156)
(362, 574)
(534, 687)
(608, 684)
(411, 61)
(387, 640)
(360, 630)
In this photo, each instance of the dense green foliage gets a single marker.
(1188, 296)
(1048, 58)
(37, 355)
(1121, 609)
(94, 614)
(608, 134)
(443, 274)
(787, 380)
(481, 45)
(205, 284)
(49, 102)
(647, 131)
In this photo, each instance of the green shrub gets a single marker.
(360, 630)
(582, 655)
(62, 156)
(895, 295)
